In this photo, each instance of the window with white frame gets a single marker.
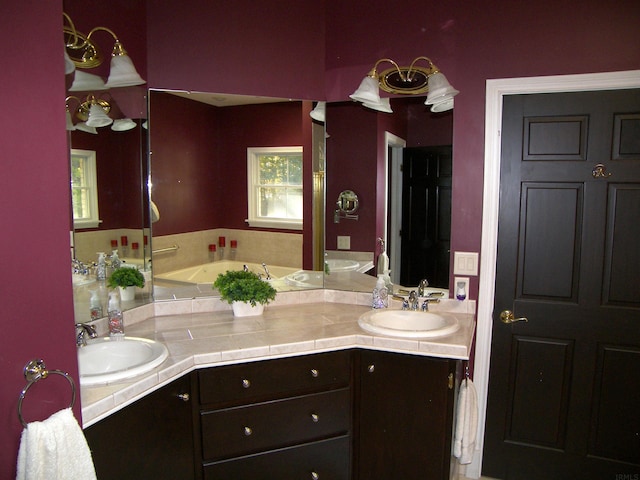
(274, 187)
(84, 188)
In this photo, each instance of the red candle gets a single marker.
(212, 247)
(134, 245)
(124, 241)
(114, 243)
(234, 244)
(221, 242)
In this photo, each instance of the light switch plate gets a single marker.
(465, 263)
(344, 242)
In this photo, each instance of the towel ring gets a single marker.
(36, 370)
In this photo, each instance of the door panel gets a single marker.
(568, 260)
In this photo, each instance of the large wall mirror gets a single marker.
(209, 154)
(400, 167)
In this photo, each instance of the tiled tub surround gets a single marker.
(204, 333)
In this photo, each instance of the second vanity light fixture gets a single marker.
(94, 114)
(411, 80)
(83, 52)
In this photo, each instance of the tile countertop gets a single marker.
(202, 333)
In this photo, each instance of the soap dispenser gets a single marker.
(101, 269)
(380, 294)
(95, 306)
(116, 321)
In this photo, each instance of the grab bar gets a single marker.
(172, 248)
(34, 371)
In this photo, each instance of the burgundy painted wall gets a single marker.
(274, 48)
(472, 42)
(119, 174)
(36, 299)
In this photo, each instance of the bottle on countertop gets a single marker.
(380, 294)
(95, 306)
(101, 269)
(116, 321)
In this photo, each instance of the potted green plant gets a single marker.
(126, 279)
(245, 291)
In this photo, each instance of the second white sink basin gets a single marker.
(408, 324)
(105, 360)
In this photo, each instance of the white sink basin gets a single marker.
(105, 360)
(408, 324)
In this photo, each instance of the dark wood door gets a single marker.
(404, 417)
(564, 386)
(426, 215)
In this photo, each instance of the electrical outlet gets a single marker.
(461, 291)
(344, 242)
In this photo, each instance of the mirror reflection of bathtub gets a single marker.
(198, 280)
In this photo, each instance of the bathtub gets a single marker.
(208, 272)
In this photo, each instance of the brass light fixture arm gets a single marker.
(374, 71)
(432, 68)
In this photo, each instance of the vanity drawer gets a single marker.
(326, 459)
(264, 426)
(238, 384)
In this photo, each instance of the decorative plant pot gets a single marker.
(127, 293)
(244, 309)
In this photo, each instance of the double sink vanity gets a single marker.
(309, 389)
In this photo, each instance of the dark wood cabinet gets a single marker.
(403, 417)
(149, 439)
(356, 414)
(286, 419)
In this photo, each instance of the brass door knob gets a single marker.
(507, 316)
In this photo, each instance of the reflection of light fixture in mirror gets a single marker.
(85, 54)
(346, 206)
(123, 124)
(85, 82)
(319, 112)
(411, 80)
(92, 111)
(83, 127)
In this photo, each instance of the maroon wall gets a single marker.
(199, 160)
(37, 305)
(119, 174)
(274, 48)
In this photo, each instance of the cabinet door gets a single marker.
(150, 439)
(404, 417)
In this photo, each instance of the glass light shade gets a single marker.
(97, 117)
(83, 127)
(319, 112)
(367, 91)
(446, 104)
(439, 89)
(123, 124)
(69, 66)
(70, 126)
(383, 105)
(86, 82)
(123, 73)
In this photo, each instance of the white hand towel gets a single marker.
(55, 449)
(464, 440)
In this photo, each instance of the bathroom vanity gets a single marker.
(348, 405)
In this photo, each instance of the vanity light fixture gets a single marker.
(92, 111)
(411, 80)
(84, 53)
(319, 112)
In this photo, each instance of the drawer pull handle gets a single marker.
(314, 373)
(184, 397)
(247, 431)
(315, 417)
(246, 383)
(315, 476)
(371, 368)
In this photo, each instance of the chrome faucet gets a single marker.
(422, 287)
(266, 270)
(85, 329)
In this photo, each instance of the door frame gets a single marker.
(495, 91)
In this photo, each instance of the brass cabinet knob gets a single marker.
(184, 397)
(315, 476)
(507, 316)
(246, 383)
(371, 368)
(247, 431)
(315, 417)
(314, 373)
